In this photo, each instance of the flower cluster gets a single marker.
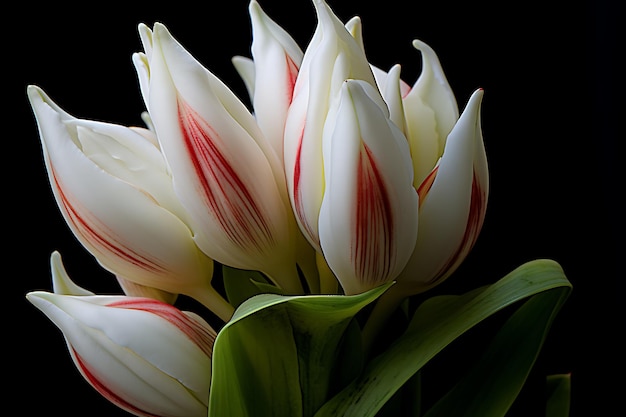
(340, 179)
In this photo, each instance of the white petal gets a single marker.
(368, 219)
(245, 69)
(445, 206)
(331, 57)
(430, 111)
(114, 219)
(142, 68)
(225, 173)
(61, 282)
(432, 85)
(391, 91)
(158, 370)
(277, 58)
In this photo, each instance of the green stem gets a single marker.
(286, 277)
(212, 300)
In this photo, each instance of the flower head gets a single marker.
(146, 356)
(337, 178)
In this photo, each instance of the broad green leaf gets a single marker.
(435, 324)
(503, 369)
(559, 392)
(276, 356)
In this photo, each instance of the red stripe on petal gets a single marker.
(202, 336)
(292, 75)
(426, 185)
(476, 217)
(226, 196)
(105, 391)
(98, 235)
(374, 245)
(297, 194)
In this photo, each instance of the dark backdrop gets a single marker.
(550, 117)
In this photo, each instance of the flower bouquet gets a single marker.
(308, 226)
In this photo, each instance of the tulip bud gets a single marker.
(113, 188)
(368, 218)
(277, 58)
(453, 200)
(225, 172)
(331, 57)
(452, 205)
(145, 356)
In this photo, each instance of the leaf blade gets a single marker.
(438, 322)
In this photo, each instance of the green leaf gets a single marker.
(559, 388)
(502, 371)
(275, 356)
(437, 323)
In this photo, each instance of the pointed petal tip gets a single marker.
(476, 97)
(254, 8)
(159, 29)
(421, 46)
(35, 92)
(257, 14)
(41, 299)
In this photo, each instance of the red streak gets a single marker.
(204, 338)
(292, 74)
(426, 185)
(84, 224)
(374, 245)
(297, 192)
(197, 333)
(226, 196)
(476, 217)
(106, 392)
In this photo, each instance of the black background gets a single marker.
(552, 127)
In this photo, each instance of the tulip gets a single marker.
(276, 59)
(114, 191)
(331, 57)
(453, 200)
(270, 78)
(145, 356)
(368, 218)
(449, 165)
(225, 172)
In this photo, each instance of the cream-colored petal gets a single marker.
(224, 171)
(245, 69)
(451, 205)
(368, 218)
(61, 282)
(277, 59)
(431, 111)
(110, 215)
(331, 57)
(162, 370)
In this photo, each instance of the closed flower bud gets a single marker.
(145, 356)
(113, 188)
